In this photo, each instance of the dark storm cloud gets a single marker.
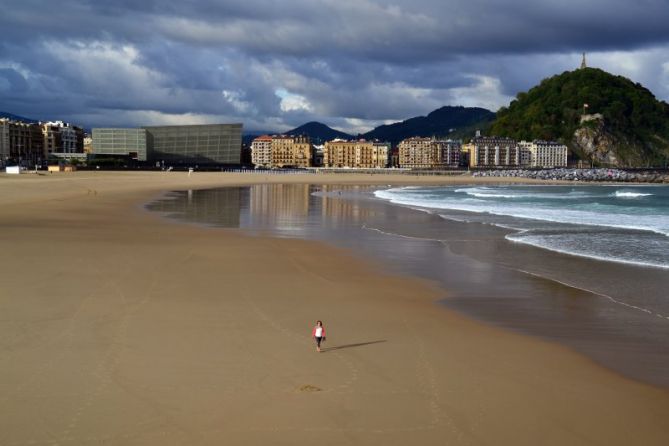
(275, 64)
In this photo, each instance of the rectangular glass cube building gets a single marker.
(120, 142)
(195, 144)
(173, 145)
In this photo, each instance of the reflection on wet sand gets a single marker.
(265, 206)
(277, 203)
(215, 207)
(336, 209)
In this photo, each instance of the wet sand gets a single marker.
(120, 327)
(612, 313)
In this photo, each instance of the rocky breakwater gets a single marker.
(613, 175)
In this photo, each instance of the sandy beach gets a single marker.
(121, 327)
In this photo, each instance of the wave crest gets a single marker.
(628, 194)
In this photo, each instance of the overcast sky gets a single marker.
(275, 64)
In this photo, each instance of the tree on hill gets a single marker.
(637, 121)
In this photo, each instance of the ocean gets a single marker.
(625, 224)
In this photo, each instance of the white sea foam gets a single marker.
(627, 194)
(501, 192)
(656, 223)
(544, 243)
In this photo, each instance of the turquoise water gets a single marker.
(623, 224)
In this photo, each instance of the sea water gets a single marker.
(624, 224)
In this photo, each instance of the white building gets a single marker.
(545, 153)
(493, 151)
(261, 151)
(525, 153)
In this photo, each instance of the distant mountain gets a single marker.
(450, 121)
(603, 118)
(16, 117)
(318, 132)
(454, 122)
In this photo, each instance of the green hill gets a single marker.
(633, 129)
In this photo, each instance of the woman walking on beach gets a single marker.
(318, 333)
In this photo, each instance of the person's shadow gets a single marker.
(359, 344)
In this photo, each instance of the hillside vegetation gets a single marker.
(634, 130)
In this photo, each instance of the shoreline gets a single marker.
(138, 330)
(513, 294)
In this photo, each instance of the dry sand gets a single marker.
(118, 327)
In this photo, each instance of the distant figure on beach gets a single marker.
(318, 333)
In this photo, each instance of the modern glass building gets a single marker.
(195, 144)
(123, 142)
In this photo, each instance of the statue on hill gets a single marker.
(583, 64)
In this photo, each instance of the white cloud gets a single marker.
(486, 92)
(235, 98)
(354, 126)
(104, 65)
(291, 101)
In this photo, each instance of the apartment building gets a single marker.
(494, 151)
(539, 153)
(356, 154)
(302, 152)
(20, 143)
(525, 153)
(52, 141)
(261, 151)
(429, 153)
(451, 153)
(282, 151)
(62, 137)
(381, 154)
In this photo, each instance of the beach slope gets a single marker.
(120, 327)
